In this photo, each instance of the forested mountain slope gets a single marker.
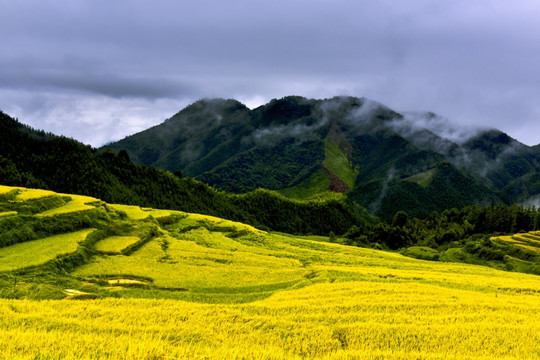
(35, 159)
(383, 160)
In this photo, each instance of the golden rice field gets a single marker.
(7, 213)
(26, 194)
(115, 244)
(77, 203)
(208, 288)
(343, 320)
(38, 252)
(529, 241)
(138, 213)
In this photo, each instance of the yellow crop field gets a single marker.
(40, 251)
(116, 244)
(198, 287)
(26, 194)
(5, 189)
(345, 320)
(76, 204)
(8, 213)
(138, 213)
(133, 212)
(529, 241)
(186, 264)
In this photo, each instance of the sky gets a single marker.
(100, 70)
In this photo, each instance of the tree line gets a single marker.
(441, 229)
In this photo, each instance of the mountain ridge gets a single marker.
(283, 146)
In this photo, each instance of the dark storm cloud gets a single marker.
(469, 61)
(102, 83)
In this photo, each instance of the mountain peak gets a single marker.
(304, 147)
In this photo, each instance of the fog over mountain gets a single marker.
(305, 148)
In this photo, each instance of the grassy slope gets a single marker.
(424, 178)
(253, 294)
(316, 186)
(338, 163)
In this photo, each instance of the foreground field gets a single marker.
(172, 285)
(349, 320)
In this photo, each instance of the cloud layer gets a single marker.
(97, 70)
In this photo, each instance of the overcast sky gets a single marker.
(99, 70)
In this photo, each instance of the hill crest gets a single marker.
(284, 146)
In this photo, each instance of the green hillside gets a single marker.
(334, 177)
(309, 148)
(164, 284)
(442, 187)
(35, 159)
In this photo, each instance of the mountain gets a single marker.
(32, 158)
(217, 142)
(305, 148)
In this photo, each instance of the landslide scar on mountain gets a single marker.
(336, 184)
(336, 134)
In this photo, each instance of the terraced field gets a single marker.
(529, 241)
(116, 244)
(39, 252)
(173, 285)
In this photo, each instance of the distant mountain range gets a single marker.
(306, 148)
